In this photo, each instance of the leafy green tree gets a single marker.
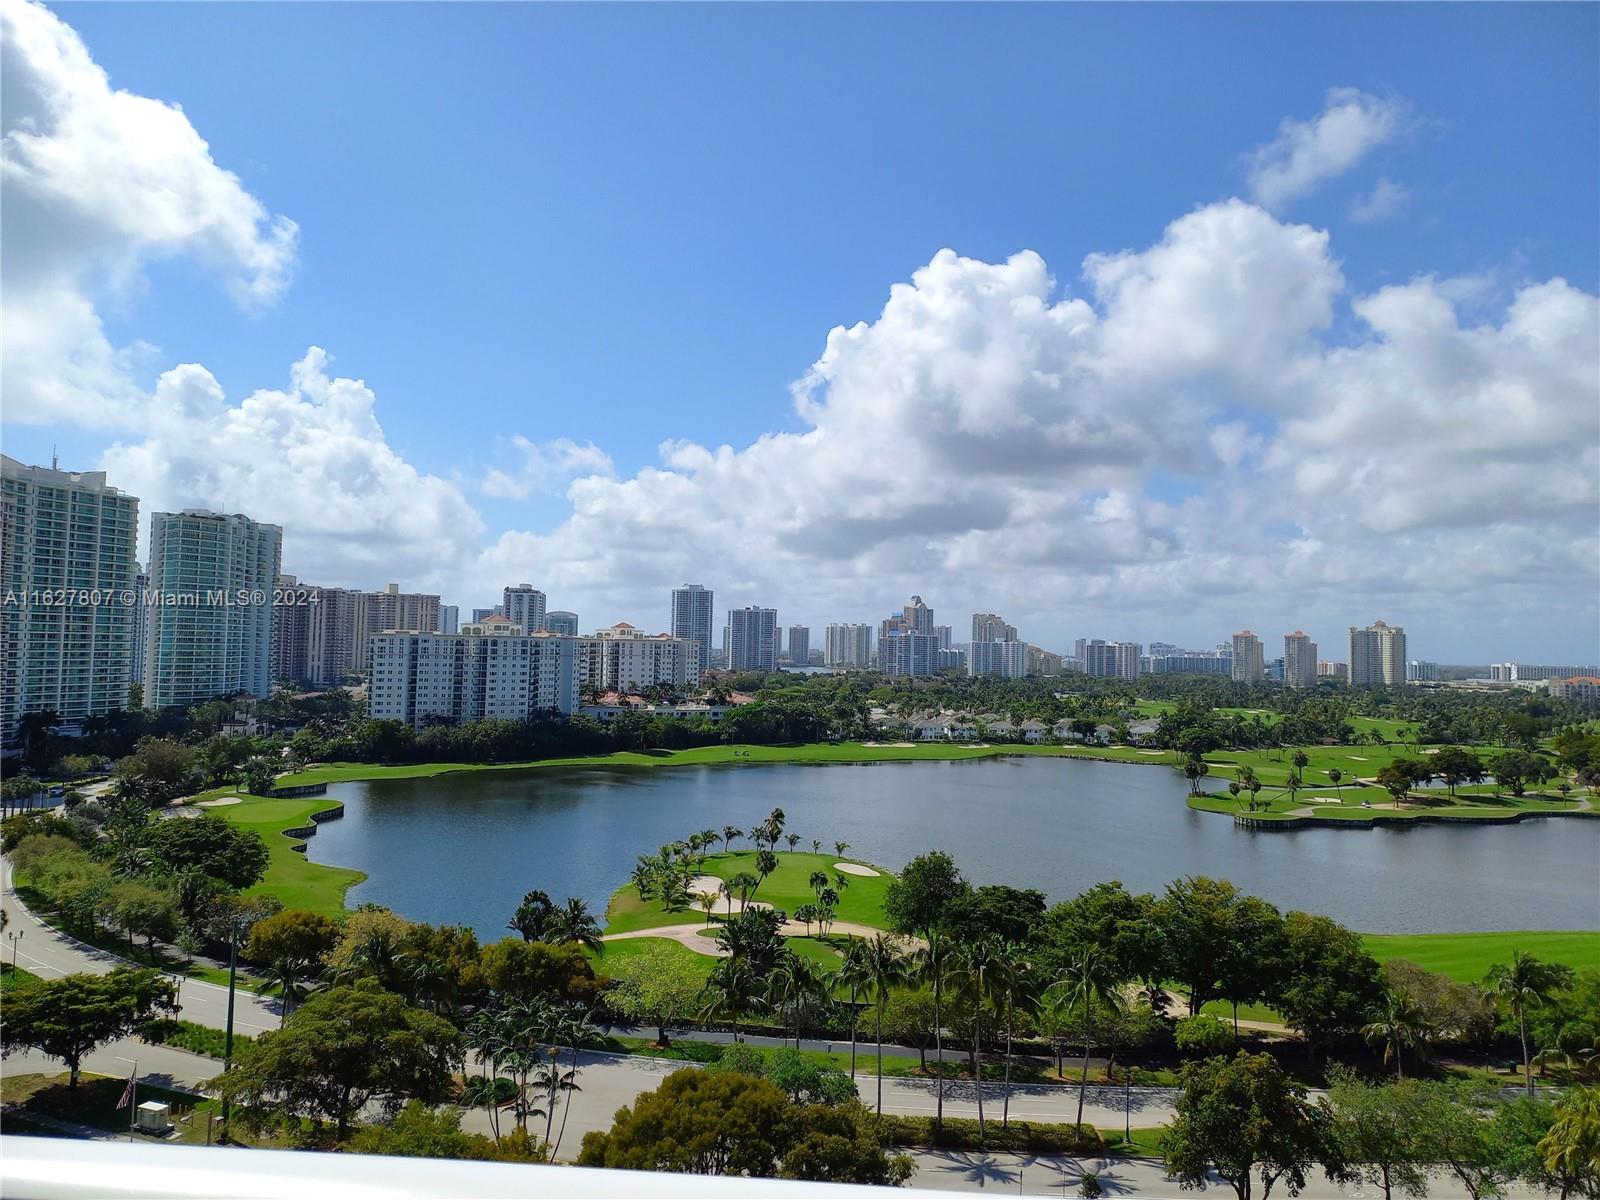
(1252, 954)
(144, 910)
(420, 1131)
(526, 970)
(69, 1017)
(1004, 914)
(1570, 1148)
(1457, 766)
(211, 845)
(1201, 1036)
(295, 933)
(1374, 1127)
(1328, 982)
(1195, 917)
(1454, 1129)
(344, 1049)
(839, 1143)
(697, 1123)
(1240, 1118)
(659, 986)
(1525, 983)
(919, 899)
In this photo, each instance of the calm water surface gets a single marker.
(464, 848)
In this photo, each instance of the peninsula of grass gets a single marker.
(860, 901)
(291, 877)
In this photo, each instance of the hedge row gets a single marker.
(961, 1133)
(196, 1039)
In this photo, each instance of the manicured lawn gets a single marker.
(1467, 957)
(785, 888)
(1144, 1141)
(15, 977)
(94, 1102)
(633, 947)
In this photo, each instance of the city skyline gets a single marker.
(1393, 411)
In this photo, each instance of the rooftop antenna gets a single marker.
(55, 461)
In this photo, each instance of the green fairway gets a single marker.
(861, 901)
(1467, 957)
(811, 752)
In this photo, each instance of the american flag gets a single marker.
(127, 1093)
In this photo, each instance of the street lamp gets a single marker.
(14, 937)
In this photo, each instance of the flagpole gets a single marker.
(133, 1097)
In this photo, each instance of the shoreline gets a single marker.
(297, 826)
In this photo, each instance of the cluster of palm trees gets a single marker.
(999, 989)
(523, 1045)
(1399, 1024)
(666, 874)
(827, 892)
(540, 919)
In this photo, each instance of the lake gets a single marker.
(463, 848)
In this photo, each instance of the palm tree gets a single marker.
(708, 901)
(840, 847)
(853, 975)
(1524, 982)
(1055, 1019)
(1090, 980)
(729, 832)
(708, 839)
(1335, 777)
(1300, 760)
(284, 974)
(483, 1091)
(796, 986)
(885, 968)
(1397, 1024)
(932, 965)
(794, 840)
(732, 988)
(766, 864)
(974, 969)
(1015, 987)
(817, 882)
(816, 845)
(726, 892)
(486, 1037)
(576, 924)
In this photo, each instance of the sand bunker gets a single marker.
(853, 869)
(221, 802)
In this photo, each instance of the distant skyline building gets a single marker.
(848, 645)
(210, 633)
(489, 669)
(1336, 671)
(449, 618)
(1249, 659)
(392, 609)
(692, 618)
(1299, 660)
(559, 621)
(918, 616)
(988, 627)
(752, 639)
(1377, 655)
(1418, 671)
(1513, 672)
(524, 605)
(65, 532)
(1007, 659)
(1110, 660)
(799, 645)
(903, 652)
(625, 659)
(480, 615)
(944, 633)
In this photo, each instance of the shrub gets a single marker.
(961, 1133)
(1202, 1035)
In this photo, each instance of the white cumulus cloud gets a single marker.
(312, 458)
(96, 182)
(1306, 154)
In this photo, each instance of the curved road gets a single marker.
(52, 954)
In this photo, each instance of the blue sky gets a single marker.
(628, 225)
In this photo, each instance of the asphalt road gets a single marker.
(52, 954)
